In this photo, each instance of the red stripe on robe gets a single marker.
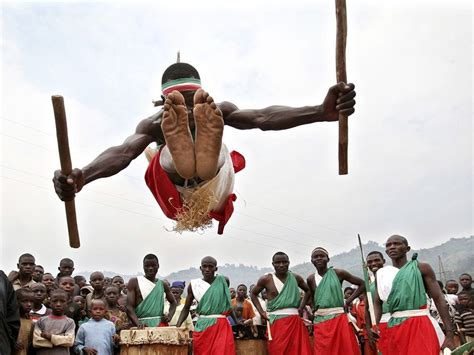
(335, 337)
(168, 197)
(218, 339)
(290, 337)
(416, 335)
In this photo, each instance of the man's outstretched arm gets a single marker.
(339, 99)
(108, 163)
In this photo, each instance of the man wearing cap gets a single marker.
(410, 328)
(192, 174)
(332, 333)
(284, 308)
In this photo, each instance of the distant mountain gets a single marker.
(456, 256)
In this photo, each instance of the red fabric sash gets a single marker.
(290, 337)
(215, 340)
(382, 343)
(416, 335)
(168, 197)
(335, 337)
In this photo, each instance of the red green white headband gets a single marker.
(184, 84)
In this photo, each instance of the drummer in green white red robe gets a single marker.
(332, 332)
(410, 328)
(212, 333)
(284, 308)
(146, 297)
(375, 261)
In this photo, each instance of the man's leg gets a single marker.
(209, 131)
(179, 142)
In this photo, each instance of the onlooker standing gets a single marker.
(9, 316)
(25, 337)
(24, 276)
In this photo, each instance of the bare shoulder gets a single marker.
(151, 125)
(298, 277)
(310, 278)
(132, 283)
(227, 108)
(425, 268)
(263, 280)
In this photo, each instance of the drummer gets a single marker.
(146, 297)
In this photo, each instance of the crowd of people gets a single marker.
(44, 313)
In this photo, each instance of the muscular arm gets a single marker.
(131, 301)
(432, 287)
(340, 98)
(111, 161)
(307, 292)
(187, 306)
(259, 287)
(312, 289)
(346, 276)
(117, 158)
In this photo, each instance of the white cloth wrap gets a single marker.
(199, 288)
(145, 286)
(284, 312)
(212, 316)
(385, 317)
(329, 311)
(220, 187)
(385, 278)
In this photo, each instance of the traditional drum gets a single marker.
(154, 340)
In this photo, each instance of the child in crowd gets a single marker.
(114, 313)
(120, 284)
(97, 282)
(81, 302)
(39, 309)
(72, 310)
(49, 282)
(464, 318)
(54, 334)
(24, 341)
(80, 281)
(96, 336)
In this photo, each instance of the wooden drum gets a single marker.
(154, 340)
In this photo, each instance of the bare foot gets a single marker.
(209, 130)
(178, 136)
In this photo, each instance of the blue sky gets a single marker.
(410, 148)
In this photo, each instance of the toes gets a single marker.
(200, 96)
(209, 99)
(176, 98)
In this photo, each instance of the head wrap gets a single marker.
(321, 250)
(184, 84)
(180, 284)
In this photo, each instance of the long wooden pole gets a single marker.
(66, 166)
(341, 21)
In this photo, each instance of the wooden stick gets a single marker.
(341, 20)
(269, 331)
(66, 166)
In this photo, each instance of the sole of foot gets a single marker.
(209, 131)
(177, 135)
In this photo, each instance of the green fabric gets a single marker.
(408, 291)
(289, 297)
(464, 349)
(152, 306)
(385, 308)
(328, 295)
(216, 300)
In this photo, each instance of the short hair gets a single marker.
(348, 288)
(66, 277)
(78, 278)
(22, 293)
(469, 293)
(452, 281)
(404, 240)
(112, 286)
(150, 257)
(209, 258)
(66, 260)
(95, 300)
(179, 71)
(39, 266)
(115, 277)
(375, 252)
(279, 253)
(26, 255)
(465, 274)
(58, 292)
(242, 285)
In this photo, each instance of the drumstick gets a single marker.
(66, 166)
(269, 330)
